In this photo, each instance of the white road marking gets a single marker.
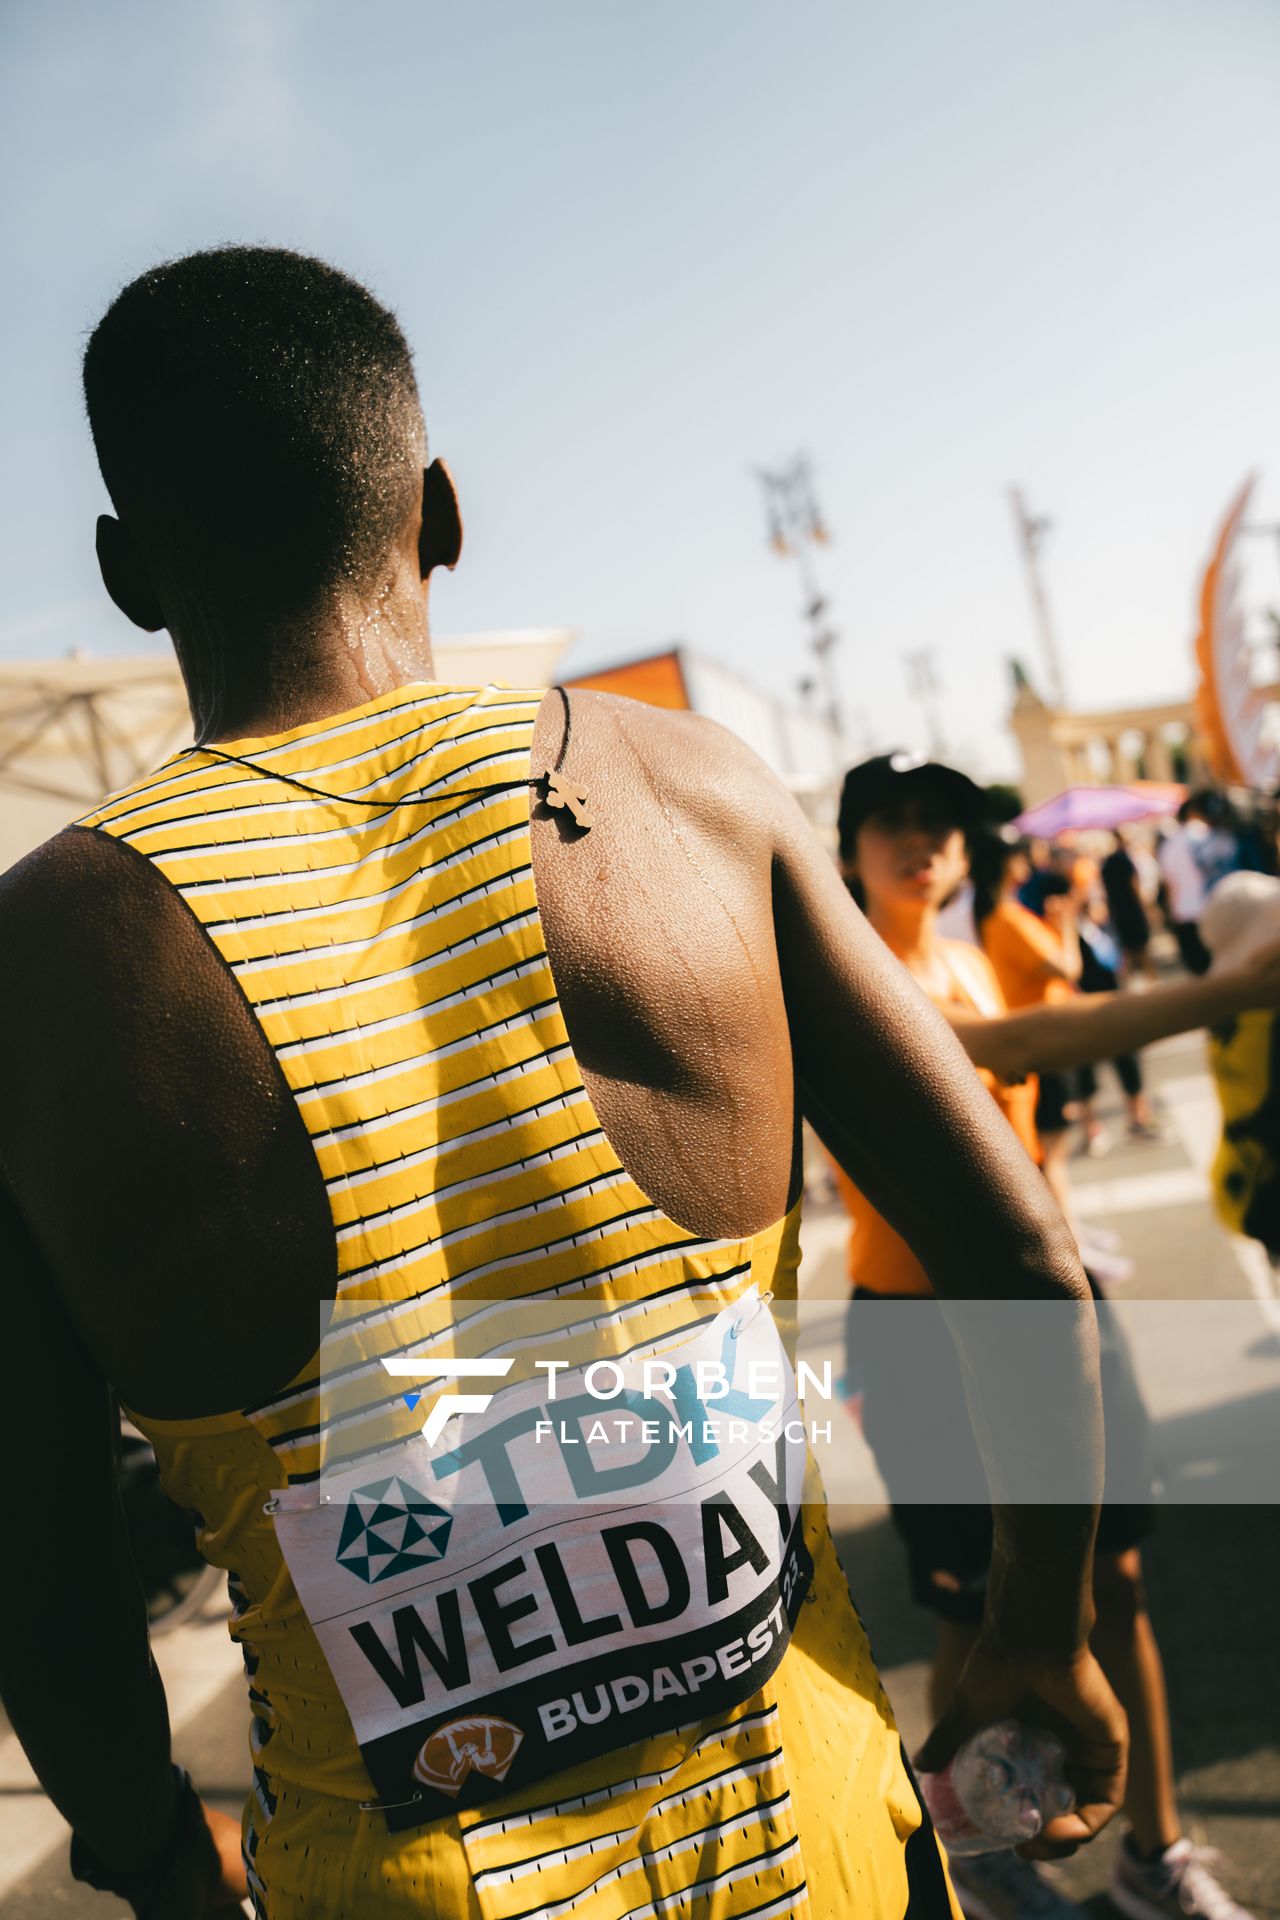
(1140, 1192)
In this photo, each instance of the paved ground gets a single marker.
(1214, 1570)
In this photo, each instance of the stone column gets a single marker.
(1159, 762)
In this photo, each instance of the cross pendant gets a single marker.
(562, 793)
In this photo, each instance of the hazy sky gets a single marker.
(641, 248)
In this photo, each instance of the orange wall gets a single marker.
(657, 681)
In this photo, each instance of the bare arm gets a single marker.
(91, 1692)
(1098, 1026)
(893, 1095)
(76, 1672)
(1060, 914)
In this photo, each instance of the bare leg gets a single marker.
(1096, 1139)
(1126, 1648)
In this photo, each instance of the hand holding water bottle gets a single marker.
(1069, 1697)
(1000, 1790)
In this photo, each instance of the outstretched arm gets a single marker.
(1099, 1026)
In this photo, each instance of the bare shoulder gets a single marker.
(690, 765)
(81, 907)
(113, 989)
(67, 884)
(48, 870)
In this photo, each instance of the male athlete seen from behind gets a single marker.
(280, 1022)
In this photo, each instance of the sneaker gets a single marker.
(1180, 1885)
(1097, 1142)
(1002, 1886)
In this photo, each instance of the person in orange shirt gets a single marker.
(903, 828)
(1037, 963)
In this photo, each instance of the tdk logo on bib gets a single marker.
(388, 1528)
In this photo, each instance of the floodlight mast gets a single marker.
(795, 527)
(1031, 532)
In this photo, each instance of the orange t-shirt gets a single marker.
(1017, 945)
(879, 1258)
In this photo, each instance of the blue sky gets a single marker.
(643, 248)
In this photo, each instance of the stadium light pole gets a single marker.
(1032, 529)
(795, 527)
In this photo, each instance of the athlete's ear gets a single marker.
(440, 542)
(125, 576)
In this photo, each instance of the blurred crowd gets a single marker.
(1045, 960)
(1091, 912)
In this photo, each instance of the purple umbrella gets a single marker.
(1104, 807)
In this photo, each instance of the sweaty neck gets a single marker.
(909, 931)
(244, 682)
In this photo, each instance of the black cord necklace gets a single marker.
(554, 787)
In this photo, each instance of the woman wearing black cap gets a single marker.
(903, 828)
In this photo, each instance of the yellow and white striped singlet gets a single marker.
(394, 959)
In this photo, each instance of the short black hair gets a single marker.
(889, 777)
(257, 421)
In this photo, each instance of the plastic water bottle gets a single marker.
(1000, 1789)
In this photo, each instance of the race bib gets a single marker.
(595, 1556)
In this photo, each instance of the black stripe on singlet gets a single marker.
(927, 1897)
(527, 1816)
(685, 1842)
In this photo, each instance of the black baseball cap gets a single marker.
(888, 777)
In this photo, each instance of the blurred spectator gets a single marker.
(1185, 878)
(1101, 962)
(1218, 853)
(1125, 905)
(1037, 962)
(1150, 878)
(1039, 864)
